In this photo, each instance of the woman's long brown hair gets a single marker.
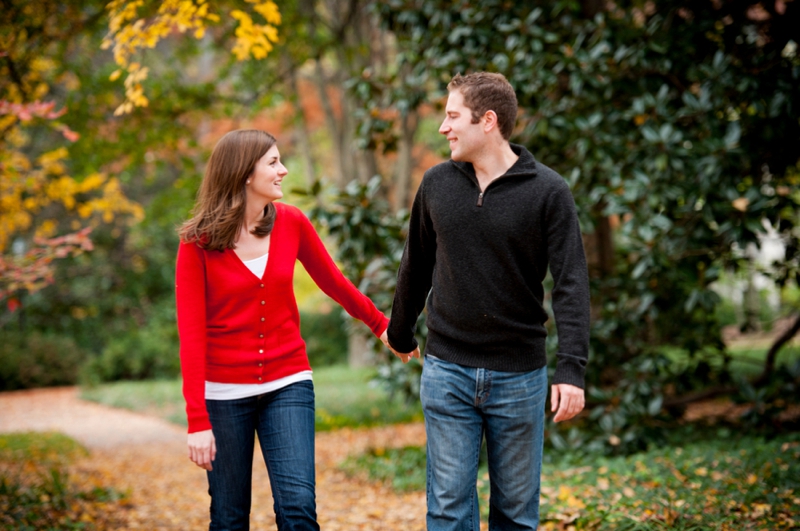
(218, 213)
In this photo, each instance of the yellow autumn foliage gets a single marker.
(252, 39)
(28, 188)
(39, 199)
(128, 34)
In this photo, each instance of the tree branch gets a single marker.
(704, 394)
(12, 70)
(769, 362)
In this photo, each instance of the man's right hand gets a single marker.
(405, 358)
(202, 448)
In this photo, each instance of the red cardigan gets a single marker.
(237, 328)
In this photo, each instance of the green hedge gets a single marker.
(152, 352)
(145, 354)
(141, 353)
(325, 336)
(36, 359)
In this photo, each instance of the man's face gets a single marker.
(466, 138)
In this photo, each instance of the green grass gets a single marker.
(750, 361)
(161, 398)
(344, 397)
(37, 492)
(720, 484)
(402, 468)
(46, 448)
(745, 361)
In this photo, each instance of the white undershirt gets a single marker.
(257, 265)
(232, 391)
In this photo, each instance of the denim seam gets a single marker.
(477, 401)
(276, 494)
(474, 501)
(428, 491)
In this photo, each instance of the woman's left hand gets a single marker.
(202, 448)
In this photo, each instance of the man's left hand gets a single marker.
(567, 400)
(404, 357)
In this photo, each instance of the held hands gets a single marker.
(567, 399)
(405, 358)
(202, 448)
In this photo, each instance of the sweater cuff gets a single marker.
(381, 327)
(199, 423)
(401, 346)
(570, 371)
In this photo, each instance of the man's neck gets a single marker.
(493, 163)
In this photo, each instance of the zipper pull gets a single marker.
(480, 199)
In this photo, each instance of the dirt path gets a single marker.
(146, 457)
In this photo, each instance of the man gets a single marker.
(484, 228)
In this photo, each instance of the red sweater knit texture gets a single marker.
(237, 328)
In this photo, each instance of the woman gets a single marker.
(245, 369)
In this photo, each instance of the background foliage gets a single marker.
(674, 122)
(37, 491)
(669, 120)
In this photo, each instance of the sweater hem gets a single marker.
(523, 358)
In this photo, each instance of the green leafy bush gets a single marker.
(325, 337)
(663, 124)
(151, 352)
(37, 360)
(726, 313)
(369, 242)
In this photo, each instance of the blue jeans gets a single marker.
(461, 405)
(284, 421)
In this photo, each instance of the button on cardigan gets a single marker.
(237, 328)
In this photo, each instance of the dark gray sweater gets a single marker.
(485, 257)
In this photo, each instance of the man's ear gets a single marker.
(489, 121)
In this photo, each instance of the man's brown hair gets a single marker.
(219, 211)
(486, 91)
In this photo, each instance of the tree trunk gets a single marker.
(751, 299)
(405, 160)
(300, 123)
(358, 352)
(591, 7)
(605, 244)
(335, 130)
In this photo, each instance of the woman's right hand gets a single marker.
(202, 448)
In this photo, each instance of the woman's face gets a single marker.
(265, 182)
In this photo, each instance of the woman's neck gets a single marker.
(253, 214)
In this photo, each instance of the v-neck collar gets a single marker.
(238, 259)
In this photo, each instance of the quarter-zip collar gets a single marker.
(525, 166)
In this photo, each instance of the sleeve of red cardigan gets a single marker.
(329, 278)
(190, 297)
